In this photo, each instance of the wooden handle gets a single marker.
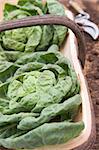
(49, 20)
(76, 6)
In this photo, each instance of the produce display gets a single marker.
(39, 89)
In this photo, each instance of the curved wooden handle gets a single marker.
(49, 20)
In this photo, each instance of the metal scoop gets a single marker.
(83, 20)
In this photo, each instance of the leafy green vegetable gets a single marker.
(34, 39)
(55, 8)
(39, 98)
(12, 55)
(31, 39)
(69, 108)
(15, 118)
(39, 89)
(47, 34)
(47, 134)
(7, 69)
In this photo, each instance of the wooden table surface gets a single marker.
(92, 62)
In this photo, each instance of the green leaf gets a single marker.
(47, 134)
(41, 57)
(32, 66)
(39, 89)
(55, 94)
(34, 39)
(47, 34)
(37, 38)
(31, 8)
(3, 90)
(7, 9)
(37, 3)
(14, 118)
(7, 70)
(13, 45)
(69, 109)
(55, 8)
(12, 56)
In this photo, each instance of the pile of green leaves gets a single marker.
(34, 38)
(39, 90)
(39, 100)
